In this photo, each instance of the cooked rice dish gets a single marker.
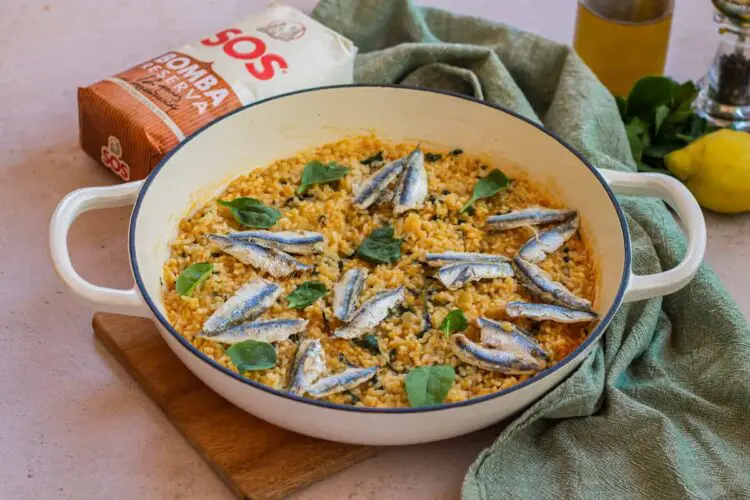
(343, 292)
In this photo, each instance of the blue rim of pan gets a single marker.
(593, 336)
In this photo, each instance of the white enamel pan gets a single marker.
(279, 127)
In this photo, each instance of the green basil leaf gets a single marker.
(252, 355)
(454, 321)
(380, 247)
(368, 342)
(251, 212)
(429, 385)
(647, 94)
(488, 186)
(661, 114)
(699, 127)
(685, 93)
(431, 157)
(622, 106)
(663, 149)
(685, 138)
(307, 293)
(193, 276)
(456, 152)
(318, 173)
(637, 132)
(377, 157)
(681, 113)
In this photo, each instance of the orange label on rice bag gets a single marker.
(148, 109)
(181, 91)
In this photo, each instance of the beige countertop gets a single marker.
(72, 422)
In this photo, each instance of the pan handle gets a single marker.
(74, 204)
(682, 201)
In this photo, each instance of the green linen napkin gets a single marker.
(661, 407)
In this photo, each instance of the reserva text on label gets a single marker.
(184, 76)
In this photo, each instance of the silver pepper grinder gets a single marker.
(724, 98)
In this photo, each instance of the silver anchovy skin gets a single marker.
(533, 216)
(454, 276)
(541, 285)
(347, 291)
(272, 330)
(371, 313)
(343, 381)
(509, 337)
(412, 187)
(296, 242)
(547, 312)
(546, 242)
(309, 365)
(372, 188)
(275, 262)
(248, 303)
(385, 197)
(496, 360)
(445, 258)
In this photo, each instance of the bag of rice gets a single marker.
(130, 121)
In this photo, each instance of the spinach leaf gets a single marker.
(252, 355)
(305, 294)
(318, 173)
(431, 157)
(251, 212)
(193, 276)
(454, 321)
(488, 186)
(456, 152)
(380, 247)
(368, 342)
(429, 385)
(377, 157)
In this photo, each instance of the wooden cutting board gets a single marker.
(257, 460)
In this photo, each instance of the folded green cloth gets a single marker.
(661, 407)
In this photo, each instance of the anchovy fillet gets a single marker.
(454, 276)
(547, 312)
(347, 292)
(496, 360)
(276, 263)
(348, 379)
(296, 242)
(374, 186)
(412, 187)
(371, 313)
(309, 366)
(274, 330)
(249, 302)
(509, 337)
(541, 285)
(533, 216)
(543, 244)
(445, 258)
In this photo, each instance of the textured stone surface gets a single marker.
(74, 425)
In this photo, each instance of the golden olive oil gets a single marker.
(623, 41)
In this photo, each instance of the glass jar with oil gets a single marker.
(623, 40)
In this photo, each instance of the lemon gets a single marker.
(716, 169)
